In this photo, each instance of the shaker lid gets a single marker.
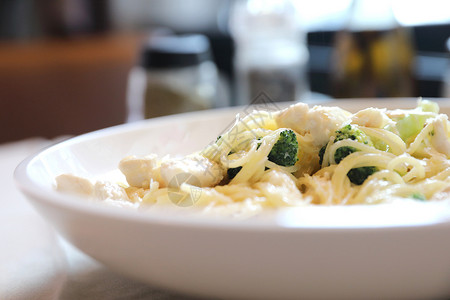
(172, 51)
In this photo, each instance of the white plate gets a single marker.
(359, 252)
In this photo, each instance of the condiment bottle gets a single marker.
(373, 55)
(175, 74)
(270, 51)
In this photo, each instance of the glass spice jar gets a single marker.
(175, 74)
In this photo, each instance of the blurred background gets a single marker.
(73, 66)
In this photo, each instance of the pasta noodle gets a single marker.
(302, 156)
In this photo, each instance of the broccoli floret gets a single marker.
(343, 152)
(338, 155)
(232, 172)
(350, 132)
(321, 153)
(346, 132)
(359, 175)
(284, 152)
(356, 175)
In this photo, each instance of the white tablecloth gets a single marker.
(35, 263)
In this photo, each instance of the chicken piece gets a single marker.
(320, 122)
(72, 184)
(294, 117)
(440, 138)
(104, 190)
(140, 171)
(372, 117)
(202, 171)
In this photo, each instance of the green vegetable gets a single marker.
(379, 144)
(419, 196)
(321, 153)
(428, 106)
(343, 152)
(356, 175)
(410, 126)
(284, 152)
(350, 132)
(359, 175)
(232, 172)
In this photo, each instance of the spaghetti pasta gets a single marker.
(276, 159)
